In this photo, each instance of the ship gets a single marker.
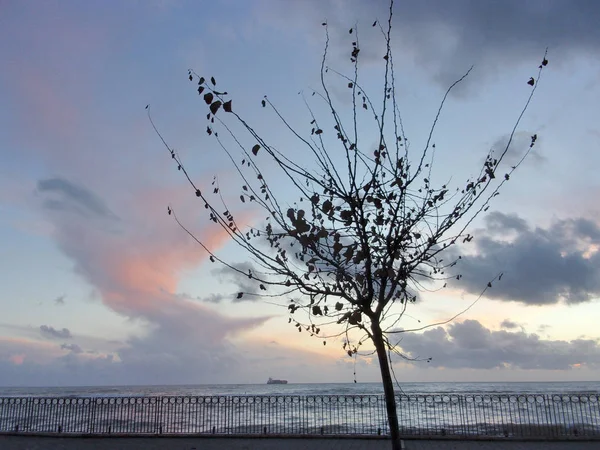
(272, 381)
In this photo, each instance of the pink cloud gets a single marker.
(137, 269)
(134, 255)
(17, 359)
(16, 350)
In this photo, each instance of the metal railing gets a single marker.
(444, 414)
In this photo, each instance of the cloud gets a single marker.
(497, 222)
(33, 363)
(518, 146)
(72, 347)
(471, 345)
(70, 197)
(241, 282)
(51, 332)
(212, 297)
(541, 265)
(135, 267)
(543, 328)
(43, 352)
(509, 324)
(446, 38)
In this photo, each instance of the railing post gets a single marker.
(157, 415)
(92, 415)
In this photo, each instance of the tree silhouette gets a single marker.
(368, 227)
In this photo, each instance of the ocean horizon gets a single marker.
(303, 389)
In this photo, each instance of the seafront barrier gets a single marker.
(543, 416)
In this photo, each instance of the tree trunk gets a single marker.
(388, 385)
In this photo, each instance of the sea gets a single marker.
(307, 389)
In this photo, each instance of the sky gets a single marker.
(99, 286)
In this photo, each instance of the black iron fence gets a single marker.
(444, 414)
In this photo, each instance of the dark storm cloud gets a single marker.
(448, 37)
(498, 33)
(471, 345)
(51, 332)
(540, 265)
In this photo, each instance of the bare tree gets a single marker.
(374, 226)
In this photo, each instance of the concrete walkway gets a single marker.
(220, 443)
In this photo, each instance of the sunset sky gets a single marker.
(99, 286)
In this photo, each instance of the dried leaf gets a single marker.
(208, 98)
(255, 149)
(212, 80)
(227, 106)
(214, 107)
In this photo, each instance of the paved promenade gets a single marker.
(207, 443)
